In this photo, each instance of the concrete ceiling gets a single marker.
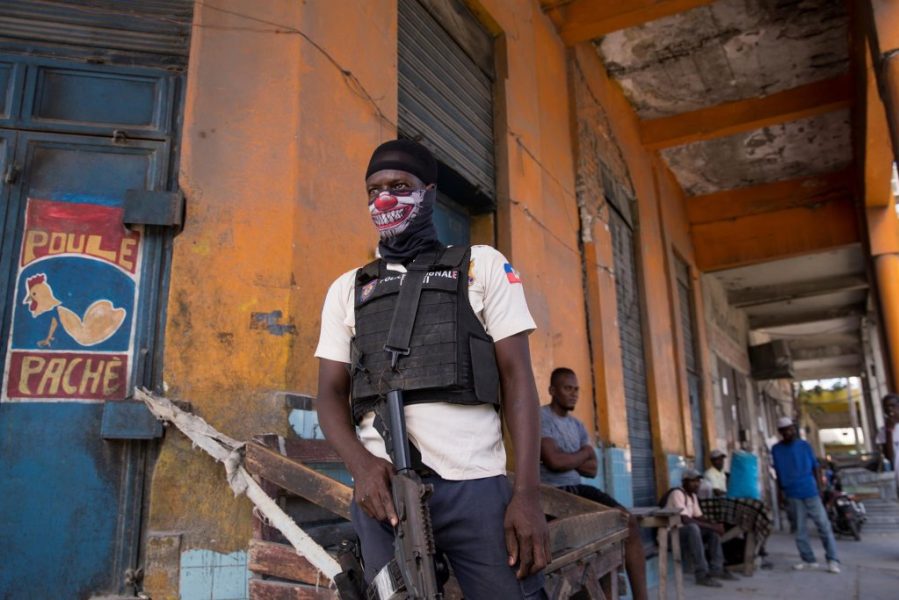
(812, 146)
(814, 302)
(733, 50)
(748, 102)
(846, 261)
(728, 50)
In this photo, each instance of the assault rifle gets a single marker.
(413, 545)
(412, 573)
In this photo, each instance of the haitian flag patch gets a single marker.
(511, 274)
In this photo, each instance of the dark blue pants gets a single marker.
(467, 518)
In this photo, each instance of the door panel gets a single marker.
(66, 97)
(80, 309)
(76, 266)
(7, 147)
(77, 317)
(12, 75)
(633, 359)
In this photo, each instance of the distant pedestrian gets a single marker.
(798, 480)
(888, 435)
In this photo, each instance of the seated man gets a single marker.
(566, 454)
(715, 474)
(697, 534)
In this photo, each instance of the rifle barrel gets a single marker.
(396, 423)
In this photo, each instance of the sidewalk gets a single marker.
(870, 572)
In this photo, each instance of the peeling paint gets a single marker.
(269, 321)
(812, 146)
(729, 50)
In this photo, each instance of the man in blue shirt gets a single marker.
(566, 453)
(797, 481)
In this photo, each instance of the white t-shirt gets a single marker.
(458, 442)
(716, 478)
(882, 439)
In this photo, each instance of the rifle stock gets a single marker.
(413, 536)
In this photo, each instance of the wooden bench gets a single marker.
(666, 523)
(587, 540)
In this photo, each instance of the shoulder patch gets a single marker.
(511, 274)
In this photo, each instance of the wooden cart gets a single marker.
(587, 539)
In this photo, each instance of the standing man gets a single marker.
(566, 454)
(715, 474)
(700, 537)
(469, 340)
(798, 480)
(888, 435)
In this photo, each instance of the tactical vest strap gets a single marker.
(406, 309)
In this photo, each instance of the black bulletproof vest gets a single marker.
(451, 358)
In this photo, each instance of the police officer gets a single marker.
(468, 343)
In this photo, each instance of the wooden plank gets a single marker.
(312, 451)
(307, 451)
(678, 568)
(579, 530)
(278, 590)
(299, 479)
(770, 197)
(591, 582)
(759, 238)
(662, 535)
(746, 115)
(558, 503)
(584, 20)
(612, 543)
(749, 554)
(282, 561)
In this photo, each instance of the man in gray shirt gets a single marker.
(566, 453)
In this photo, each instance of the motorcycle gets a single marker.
(846, 514)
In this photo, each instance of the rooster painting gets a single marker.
(100, 321)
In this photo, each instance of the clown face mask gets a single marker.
(393, 212)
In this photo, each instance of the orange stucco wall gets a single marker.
(660, 206)
(276, 138)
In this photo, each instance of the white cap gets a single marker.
(784, 422)
(716, 453)
(690, 474)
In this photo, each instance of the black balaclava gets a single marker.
(404, 220)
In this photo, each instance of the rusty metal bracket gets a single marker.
(146, 207)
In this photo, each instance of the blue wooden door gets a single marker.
(80, 319)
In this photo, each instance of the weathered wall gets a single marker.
(646, 172)
(277, 135)
(726, 336)
(537, 217)
(275, 143)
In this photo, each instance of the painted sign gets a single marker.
(75, 298)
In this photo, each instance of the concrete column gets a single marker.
(883, 32)
(853, 416)
(866, 421)
(887, 268)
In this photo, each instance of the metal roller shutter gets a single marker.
(685, 304)
(145, 32)
(445, 96)
(630, 329)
